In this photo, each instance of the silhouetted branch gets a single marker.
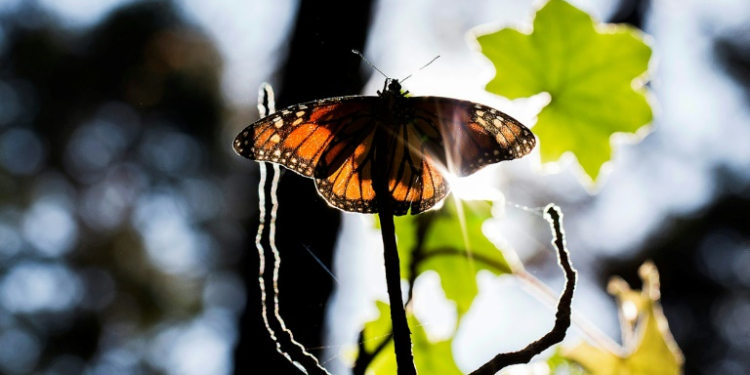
(401, 332)
(380, 180)
(562, 318)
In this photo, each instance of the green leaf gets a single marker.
(374, 333)
(377, 330)
(453, 245)
(456, 249)
(649, 348)
(406, 240)
(588, 70)
(558, 364)
(429, 357)
(432, 357)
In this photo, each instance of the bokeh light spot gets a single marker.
(32, 287)
(10, 105)
(201, 347)
(50, 228)
(19, 351)
(171, 152)
(66, 365)
(10, 241)
(105, 204)
(21, 151)
(224, 290)
(172, 243)
(94, 146)
(731, 316)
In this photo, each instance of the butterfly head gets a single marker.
(392, 85)
(392, 88)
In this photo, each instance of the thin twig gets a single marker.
(548, 296)
(553, 215)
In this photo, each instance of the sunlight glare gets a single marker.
(436, 313)
(478, 186)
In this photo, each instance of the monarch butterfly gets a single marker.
(336, 141)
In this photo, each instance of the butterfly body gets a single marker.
(348, 144)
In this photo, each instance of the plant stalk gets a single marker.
(401, 332)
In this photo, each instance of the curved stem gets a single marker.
(562, 318)
(547, 295)
(541, 291)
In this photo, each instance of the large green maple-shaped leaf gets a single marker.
(453, 246)
(589, 72)
(429, 357)
(649, 348)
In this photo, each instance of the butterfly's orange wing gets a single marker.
(415, 181)
(329, 140)
(474, 135)
(332, 141)
(344, 178)
(443, 135)
(298, 136)
(433, 137)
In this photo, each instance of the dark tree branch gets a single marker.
(562, 318)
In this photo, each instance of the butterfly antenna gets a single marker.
(354, 51)
(425, 65)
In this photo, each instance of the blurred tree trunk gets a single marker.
(319, 65)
